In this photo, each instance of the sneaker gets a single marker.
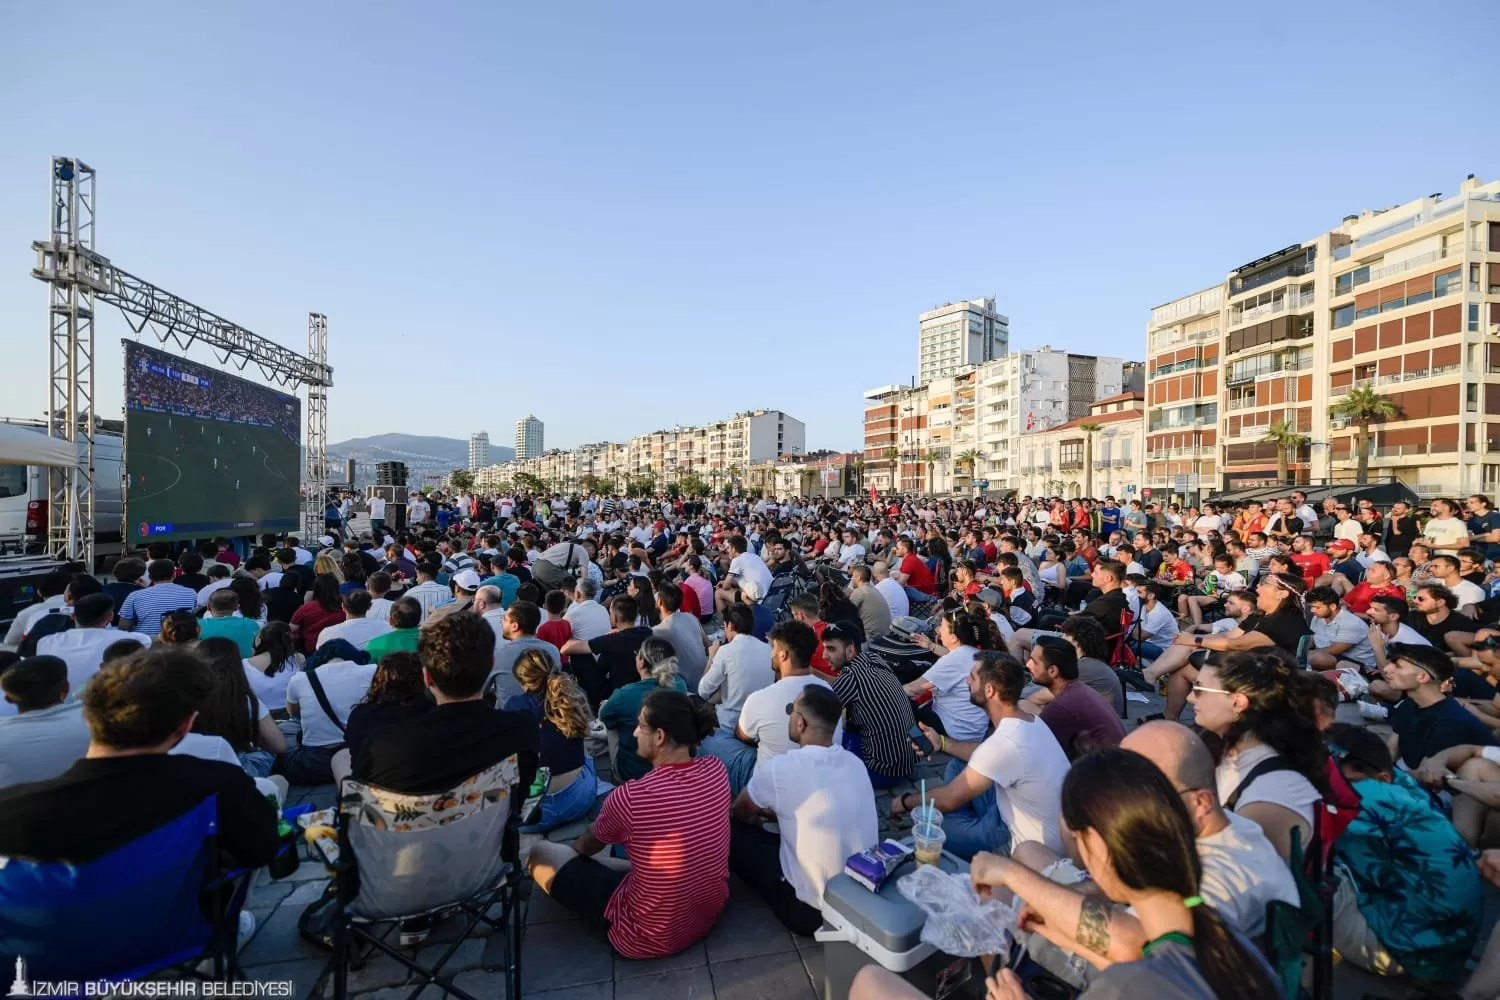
(247, 930)
(415, 931)
(1374, 712)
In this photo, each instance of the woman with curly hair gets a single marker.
(397, 693)
(1273, 768)
(558, 704)
(179, 628)
(252, 599)
(352, 569)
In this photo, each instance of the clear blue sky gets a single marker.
(624, 216)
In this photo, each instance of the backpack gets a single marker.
(1335, 811)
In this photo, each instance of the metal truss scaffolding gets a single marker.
(78, 277)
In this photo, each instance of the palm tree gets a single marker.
(1363, 407)
(930, 458)
(969, 459)
(1089, 430)
(858, 468)
(1283, 434)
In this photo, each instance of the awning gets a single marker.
(29, 446)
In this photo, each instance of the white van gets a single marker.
(24, 498)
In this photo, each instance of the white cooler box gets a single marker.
(861, 927)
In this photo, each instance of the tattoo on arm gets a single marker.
(1093, 926)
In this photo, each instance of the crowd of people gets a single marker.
(755, 672)
(187, 390)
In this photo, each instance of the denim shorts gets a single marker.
(570, 803)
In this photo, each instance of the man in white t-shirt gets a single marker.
(747, 572)
(1007, 792)
(851, 551)
(821, 798)
(345, 684)
(82, 647)
(377, 513)
(761, 732)
(893, 592)
(1242, 873)
(357, 628)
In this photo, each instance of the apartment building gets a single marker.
(1099, 454)
(479, 450)
(1405, 300)
(958, 334)
(528, 437)
(970, 424)
(1183, 344)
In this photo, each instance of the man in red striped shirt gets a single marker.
(673, 822)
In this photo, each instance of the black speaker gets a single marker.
(390, 474)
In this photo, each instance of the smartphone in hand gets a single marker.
(919, 739)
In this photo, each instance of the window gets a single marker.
(1346, 283)
(12, 481)
(1473, 317)
(1343, 316)
(1070, 453)
(1471, 397)
(1448, 283)
(1125, 444)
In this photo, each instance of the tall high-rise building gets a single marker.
(960, 334)
(479, 450)
(528, 437)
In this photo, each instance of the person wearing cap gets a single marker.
(823, 804)
(879, 713)
(465, 583)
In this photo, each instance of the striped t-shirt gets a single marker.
(880, 713)
(149, 606)
(674, 822)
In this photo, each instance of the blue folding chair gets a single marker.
(158, 902)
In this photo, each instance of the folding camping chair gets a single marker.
(407, 856)
(158, 903)
(1120, 653)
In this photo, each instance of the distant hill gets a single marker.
(421, 454)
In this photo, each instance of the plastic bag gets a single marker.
(958, 922)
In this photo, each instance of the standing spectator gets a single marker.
(673, 823)
(1445, 532)
(143, 610)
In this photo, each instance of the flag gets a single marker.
(874, 496)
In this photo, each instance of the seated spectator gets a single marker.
(683, 632)
(557, 704)
(462, 735)
(586, 616)
(397, 693)
(127, 575)
(128, 785)
(179, 628)
(656, 666)
(960, 636)
(880, 717)
(556, 628)
(285, 598)
(1408, 897)
(379, 585)
(737, 667)
(1339, 636)
(1379, 581)
(1156, 627)
(1138, 840)
(219, 576)
(144, 609)
(1438, 619)
(1078, 715)
(823, 804)
(1272, 770)
(224, 620)
(673, 824)
(82, 647)
(405, 619)
(354, 571)
(191, 575)
(343, 675)
(80, 586)
(1427, 721)
(1093, 655)
(428, 592)
(517, 635)
(232, 710)
(357, 628)
(48, 733)
(761, 733)
(1001, 790)
(464, 585)
(272, 665)
(1279, 623)
(324, 608)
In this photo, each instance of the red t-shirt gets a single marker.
(990, 553)
(557, 633)
(1181, 572)
(312, 618)
(1313, 565)
(674, 822)
(690, 605)
(1359, 597)
(918, 576)
(819, 661)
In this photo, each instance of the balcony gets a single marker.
(1292, 300)
(1291, 269)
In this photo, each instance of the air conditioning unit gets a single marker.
(1495, 329)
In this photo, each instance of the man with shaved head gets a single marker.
(1242, 873)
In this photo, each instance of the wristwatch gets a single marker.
(1198, 640)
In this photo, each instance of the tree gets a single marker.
(530, 483)
(1363, 407)
(1283, 434)
(969, 459)
(1089, 430)
(858, 468)
(461, 480)
(590, 482)
(931, 459)
(734, 475)
(692, 485)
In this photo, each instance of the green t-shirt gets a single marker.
(620, 712)
(242, 630)
(402, 639)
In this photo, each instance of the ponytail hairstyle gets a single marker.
(971, 630)
(1132, 806)
(563, 701)
(977, 610)
(275, 640)
(1283, 709)
(686, 721)
(660, 659)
